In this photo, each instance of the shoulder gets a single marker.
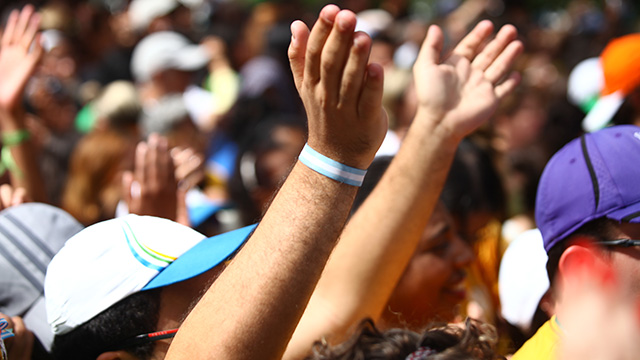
(542, 344)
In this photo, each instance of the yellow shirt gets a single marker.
(543, 344)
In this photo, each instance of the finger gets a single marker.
(140, 160)
(127, 193)
(506, 35)
(167, 167)
(188, 166)
(23, 22)
(6, 193)
(354, 70)
(152, 166)
(37, 51)
(506, 87)
(471, 44)
(315, 43)
(336, 52)
(502, 65)
(7, 37)
(19, 196)
(183, 155)
(370, 103)
(31, 31)
(297, 49)
(431, 47)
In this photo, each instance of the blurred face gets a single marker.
(433, 282)
(274, 165)
(626, 260)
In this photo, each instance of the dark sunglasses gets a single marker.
(619, 242)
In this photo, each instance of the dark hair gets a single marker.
(473, 184)
(259, 140)
(599, 229)
(136, 314)
(374, 174)
(449, 342)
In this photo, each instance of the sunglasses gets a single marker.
(619, 242)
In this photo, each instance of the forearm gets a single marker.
(263, 292)
(454, 98)
(378, 241)
(24, 171)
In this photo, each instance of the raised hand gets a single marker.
(463, 91)
(19, 55)
(10, 196)
(151, 189)
(341, 93)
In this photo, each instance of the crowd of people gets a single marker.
(296, 180)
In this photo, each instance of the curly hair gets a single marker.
(474, 340)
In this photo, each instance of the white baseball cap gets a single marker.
(166, 50)
(143, 12)
(110, 260)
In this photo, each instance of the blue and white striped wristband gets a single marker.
(331, 168)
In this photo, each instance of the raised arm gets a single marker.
(20, 53)
(455, 97)
(252, 309)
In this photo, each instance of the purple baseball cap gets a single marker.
(594, 176)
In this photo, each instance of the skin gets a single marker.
(433, 282)
(256, 303)
(604, 284)
(454, 96)
(17, 64)
(277, 163)
(176, 301)
(19, 347)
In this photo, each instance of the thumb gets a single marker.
(431, 47)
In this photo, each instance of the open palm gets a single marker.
(463, 91)
(18, 58)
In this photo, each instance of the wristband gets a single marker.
(8, 163)
(10, 138)
(331, 168)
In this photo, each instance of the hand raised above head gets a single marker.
(19, 55)
(151, 189)
(463, 91)
(342, 94)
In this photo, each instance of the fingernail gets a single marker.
(374, 71)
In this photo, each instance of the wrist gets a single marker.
(331, 168)
(430, 124)
(14, 137)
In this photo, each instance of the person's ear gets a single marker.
(116, 355)
(575, 257)
(584, 261)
